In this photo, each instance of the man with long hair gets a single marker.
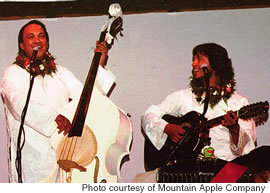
(211, 94)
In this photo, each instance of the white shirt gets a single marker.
(49, 95)
(183, 101)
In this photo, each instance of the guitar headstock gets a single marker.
(257, 111)
(113, 26)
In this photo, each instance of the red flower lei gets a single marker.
(226, 91)
(43, 67)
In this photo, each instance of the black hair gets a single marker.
(218, 59)
(20, 36)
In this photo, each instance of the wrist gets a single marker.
(235, 129)
(166, 129)
(103, 61)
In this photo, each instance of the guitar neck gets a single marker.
(217, 121)
(82, 108)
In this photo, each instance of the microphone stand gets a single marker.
(187, 134)
(18, 161)
(206, 102)
(207, 90)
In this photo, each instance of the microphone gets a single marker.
(205, 69)
(206, 75)
(33, 60)
(34, 54)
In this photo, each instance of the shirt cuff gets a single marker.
(105, 80)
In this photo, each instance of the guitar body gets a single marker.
(112, 130)
(193, 123)
(157, 158)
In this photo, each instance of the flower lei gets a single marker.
(198, 88)
(43, 67)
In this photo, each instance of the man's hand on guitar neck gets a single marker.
(231, 122)
(103, 49)
(175, 132)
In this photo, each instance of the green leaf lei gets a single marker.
(198, 88)
(44, 67)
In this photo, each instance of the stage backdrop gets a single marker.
(154, 59)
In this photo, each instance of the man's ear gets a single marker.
(21, 46)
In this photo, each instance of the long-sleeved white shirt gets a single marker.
(183, 101)
(49, 95)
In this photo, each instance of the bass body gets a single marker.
(111, 128)
(96, 142)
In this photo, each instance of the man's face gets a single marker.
(199, 60)
(34, 36)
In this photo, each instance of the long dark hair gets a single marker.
(20, 36)
(218, 59)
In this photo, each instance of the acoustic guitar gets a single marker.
(192, 144)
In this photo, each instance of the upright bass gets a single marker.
(101, 133)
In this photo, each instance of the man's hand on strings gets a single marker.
(63, 124)
(231, 122)
(175, 132)
(103, 49)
